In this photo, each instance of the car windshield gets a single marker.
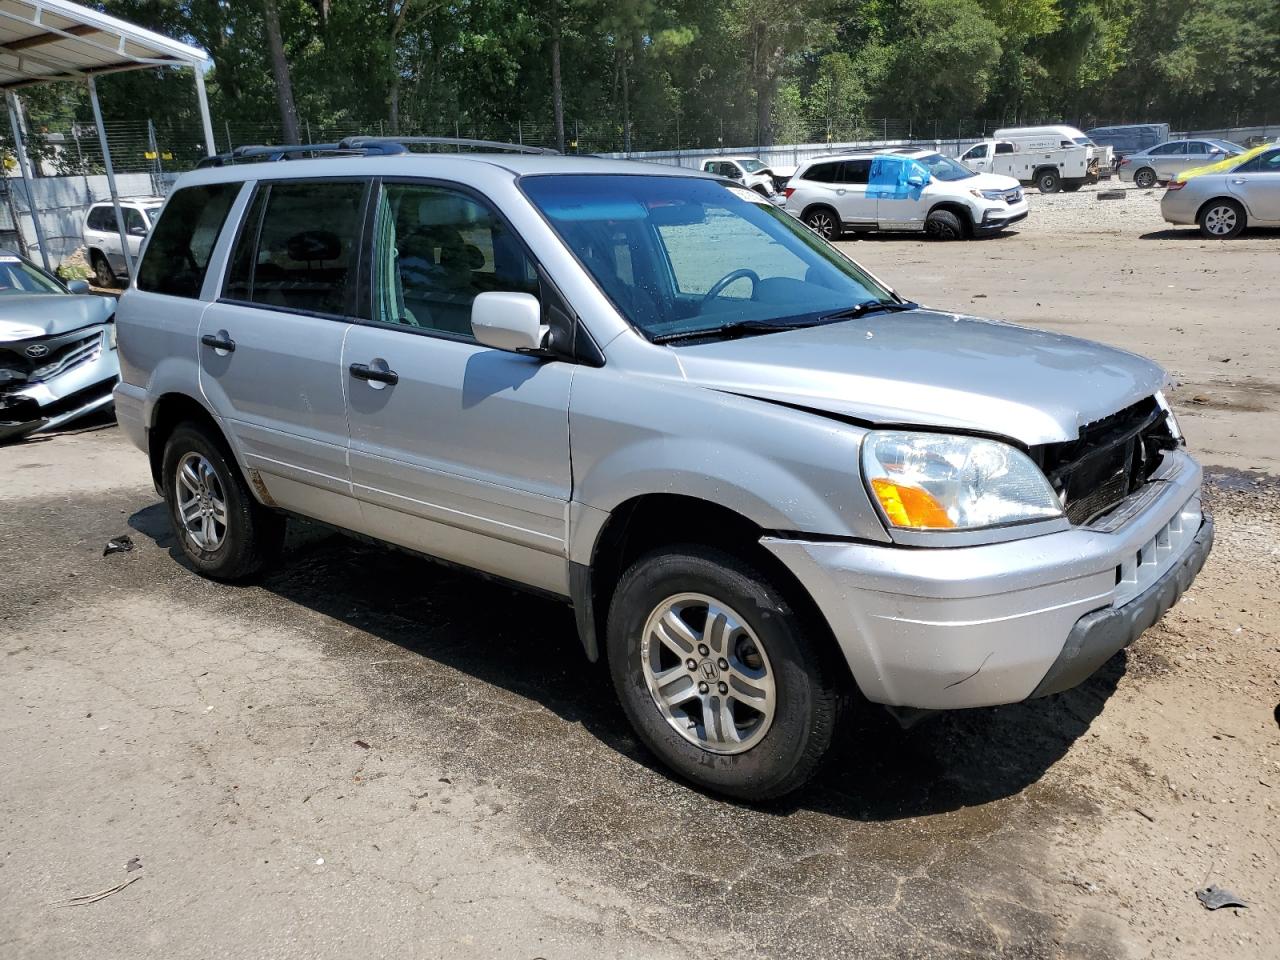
(944, 168)
(683, 255)
(17, 277)
(751, 166)
(1083, 141)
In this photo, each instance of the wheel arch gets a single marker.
(648, 521)
(820, 205)
(1221, 198)
(961, 210)
(167, 412)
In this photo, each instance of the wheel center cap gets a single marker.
(709, 670)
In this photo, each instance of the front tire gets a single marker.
(1221, 220)
(1048, 181)
(944, 225)
(721, 677)
(824, 222)
(224, 532)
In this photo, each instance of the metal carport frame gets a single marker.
(47, 41)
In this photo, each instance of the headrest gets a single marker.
(447, 210)
(310, 245)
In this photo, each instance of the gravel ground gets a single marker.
(366, 754)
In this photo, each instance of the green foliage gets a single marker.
(725, 72)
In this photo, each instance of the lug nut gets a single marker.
(723, 664)
(691, 664)
(702, 688)
(724, 687)
(703, 649)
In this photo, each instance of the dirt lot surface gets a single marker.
(367, 755)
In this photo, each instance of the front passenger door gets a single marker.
(458, 450)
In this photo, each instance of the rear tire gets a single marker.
(824, 222)
(1221, 219)
(1145, 178)
(103, 275)
(224, 532)
(944, 225)
(721, 677)
(1048, 181)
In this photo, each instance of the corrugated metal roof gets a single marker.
(47, 40)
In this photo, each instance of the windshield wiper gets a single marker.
(869, 306)
(734, 329)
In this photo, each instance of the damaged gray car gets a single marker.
(57, 349)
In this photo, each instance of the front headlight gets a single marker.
(989, 194)
(933, 481)
(111, 334)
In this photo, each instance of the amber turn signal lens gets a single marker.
(906, 506)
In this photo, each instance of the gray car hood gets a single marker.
(24, 316)
(933, 369)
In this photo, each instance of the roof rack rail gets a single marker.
(286, 151)
(367, 141)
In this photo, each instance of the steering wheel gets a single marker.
(718, 287)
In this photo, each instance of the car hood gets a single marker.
(990, 181)
(934, 369)
(26, 316)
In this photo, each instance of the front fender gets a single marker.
(780, 468)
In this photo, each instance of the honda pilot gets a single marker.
(770, 486)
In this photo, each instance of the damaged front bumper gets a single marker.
(48, 381)
(944, 628)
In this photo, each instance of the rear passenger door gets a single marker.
(856, 208)
(457, 450)
(270, 348)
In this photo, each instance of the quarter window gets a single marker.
(180, 247)
(822, 173)
(298, 247)
(436, 250)
(1004, 147)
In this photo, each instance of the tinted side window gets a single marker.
(182, 242)
(303, 254)
(133, 221)
(1004, 147)
(855, 171)
(437, 249)
(1268, 162)
(822, 173)
(98, 219)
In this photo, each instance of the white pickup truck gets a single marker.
(1053, 158)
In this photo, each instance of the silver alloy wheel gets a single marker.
(202, 504)
(822, 224)
(1220, 220)
(1145, 179)
(708, 673)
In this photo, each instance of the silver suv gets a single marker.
(769, 486)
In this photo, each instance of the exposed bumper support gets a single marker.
(1100, 635)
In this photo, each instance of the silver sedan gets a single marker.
(1166, 160)
(1224, 203)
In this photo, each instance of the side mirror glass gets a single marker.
(508, 321)
(78, 287)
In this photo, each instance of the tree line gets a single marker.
(768, 70)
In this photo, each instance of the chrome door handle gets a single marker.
(840, 193)
(363, 371)
(1240, 180)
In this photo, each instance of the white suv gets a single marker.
(102, 235)
(902, 190)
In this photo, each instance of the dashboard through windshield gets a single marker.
(679, 255)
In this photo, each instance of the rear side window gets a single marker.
(178, 253)
(1004, 147)
(102, 218)
(298, 248)
(822, 173)
(855, 171)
